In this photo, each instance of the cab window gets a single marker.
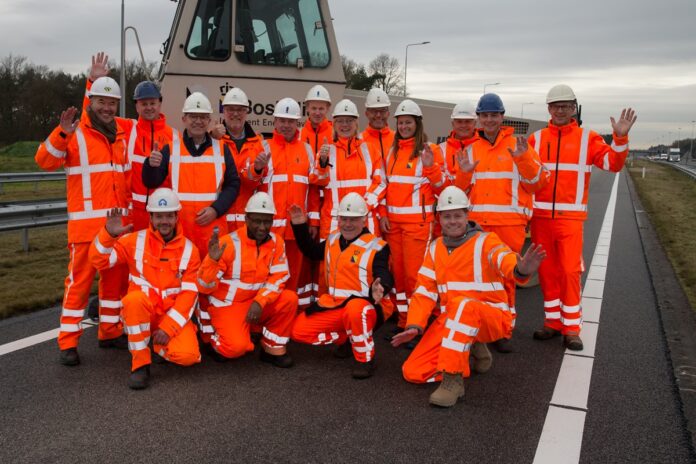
(209, 36)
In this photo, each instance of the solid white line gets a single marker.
(36, 339)
(561, 437)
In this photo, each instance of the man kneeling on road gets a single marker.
(162, 292)
(245, 274)
(466, 269)
(357, 277)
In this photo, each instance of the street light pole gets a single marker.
(122, 111)
(486, 85)
(522, 112)
(406, 60)
(691, 149)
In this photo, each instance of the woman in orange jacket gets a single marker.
(414, 175)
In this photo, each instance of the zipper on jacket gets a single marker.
(423, 206)
(381, 147)
(555, 180)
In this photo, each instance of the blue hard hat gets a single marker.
(490, 103)
(146, 89)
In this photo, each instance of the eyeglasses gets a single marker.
(198, 116)
(562, 106)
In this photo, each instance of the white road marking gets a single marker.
(561, 437)
(36, 339)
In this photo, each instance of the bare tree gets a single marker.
(388, 67)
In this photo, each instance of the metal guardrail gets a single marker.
(24, 216)
(14, 177)
(690, 171)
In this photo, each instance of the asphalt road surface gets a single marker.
(248, 411)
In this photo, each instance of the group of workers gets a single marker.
(207, 238)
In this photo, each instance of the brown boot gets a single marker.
(572, 342)
(546, 333)
(481, 358)
(450, 390)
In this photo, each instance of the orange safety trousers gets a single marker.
(407, 245)
(113, 283)
(356, 320)
(141, 318)
(560, 272)
(231, 332)
(513, 237)
(446, 344)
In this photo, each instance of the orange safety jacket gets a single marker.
(98, 175)
(351, 167)
(349, 272)
(477, 269)
(379, 141)
(287, 182)
(449, 149)
(245, 271)
(411, 187)
(315, 137)
(501, 186)
(164, 271)
(569, 152)
(250, 179)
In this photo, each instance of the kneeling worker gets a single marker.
(162, 292)
(244, 275)
(357, 277)
(466, 269)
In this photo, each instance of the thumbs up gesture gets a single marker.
(324, 152)
(155, 156)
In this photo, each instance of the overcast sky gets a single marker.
(614, 53)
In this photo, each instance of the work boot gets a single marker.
(282, 360)
(362, 370)
(503, 345)
(481, 358)
(450, 390)
(572, 342)
(69, 357)
(343, 351)
(546, 333)
(139, 378)
(120, 343)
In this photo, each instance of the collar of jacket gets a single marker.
(191, 147)
(503, 133)
(248, 132)
(178, 235)
(343, 243)
(408, 143)
(323, 126)
(376, 132)
(563, 129)
(280, 140)
(472, 228)
(157, 125)
(344, 142)
(461, 143)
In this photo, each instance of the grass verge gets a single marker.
(669, 197)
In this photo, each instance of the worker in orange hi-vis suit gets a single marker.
(462, 135)
(244, 275)
(287, 181)
(378, 136)
(92, 150)
(414, 174)
(357, 275)
(162, 294)
(569, 153)
(500, 173)
(203, 174)
(464, 271)
(245, 145)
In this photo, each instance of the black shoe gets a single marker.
(504, 345)
(546, 333)
(69, 357)
(139, 378)
(157, 359)
(572, 342)
(343, 351)
(363, 370)
(120, 343)
(283, 360)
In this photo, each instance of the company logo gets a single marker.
(162, 202)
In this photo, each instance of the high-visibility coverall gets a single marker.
(409, 204)
(346, 310)
(569, 152)
(245, 273)
(500, 190)
(287, 182)
(469, 283)
(251, 145)
(98, 179)
(378, 140)
(162, 292)
(201, 176)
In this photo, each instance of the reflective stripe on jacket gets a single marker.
(379, 141)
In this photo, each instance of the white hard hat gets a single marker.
(464, 110)
(197, 103)
(352, 205)
(163, 200)
(452, 198)
(235, 96)
(408, 107)
(318, 93)
(377, 98)
(105, 87)
(287, 108)
(560, 92)
(260, 202)
(345, 108)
